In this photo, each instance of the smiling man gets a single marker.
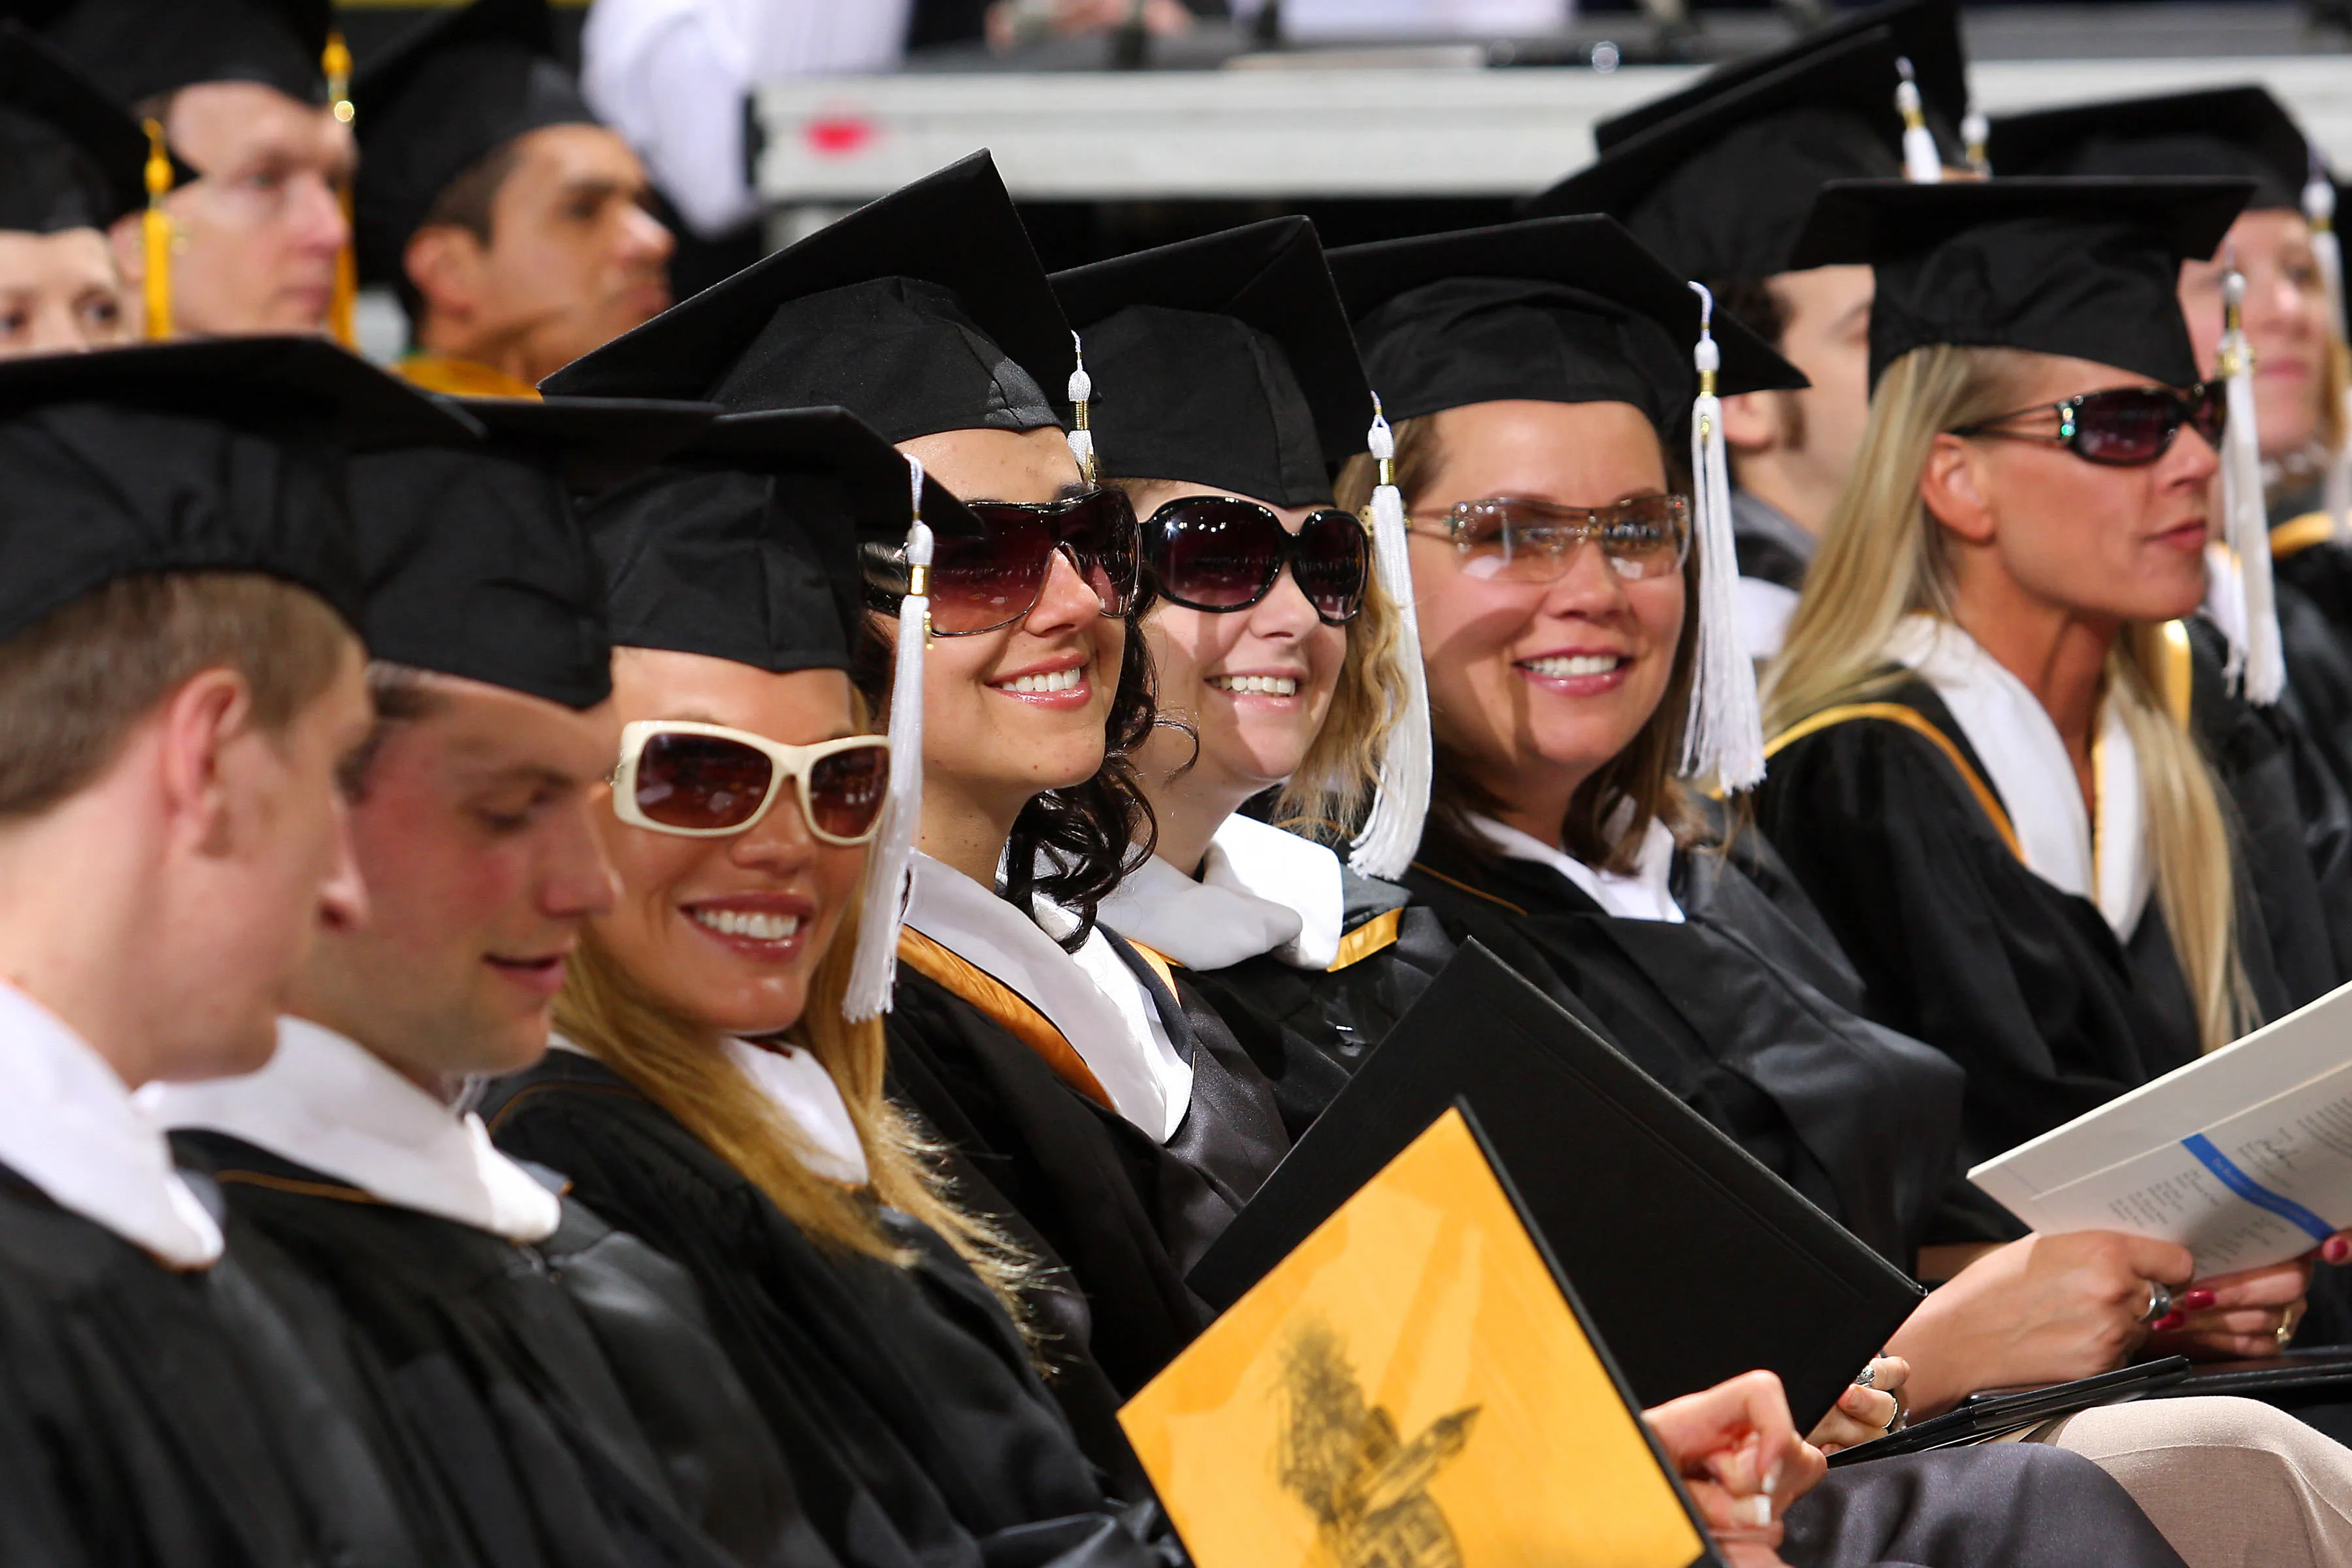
(541, 1385)
(239, 90)
(512, 224)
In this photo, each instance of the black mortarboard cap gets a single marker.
(476, 562)
(1721, 191)
(923, 311)
(1924, 32)
(225, 455)
(745, 544)
(69, 157)
(2241, 133)
(1224, 360)
(1559, 310)
(136, 48)
(2086, 268)
(457, 88)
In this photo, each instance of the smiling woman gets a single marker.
(1234, 380)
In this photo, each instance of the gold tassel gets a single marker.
(155, 237)
(337, 63)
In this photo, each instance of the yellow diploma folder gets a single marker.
(1414, 1387)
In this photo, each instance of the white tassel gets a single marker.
(1082, 391)
(1392, 831)
(1976, 134)
(890, 854)
(2259, 662)
(1922, 163)
(2319, 208)
(1723, 739)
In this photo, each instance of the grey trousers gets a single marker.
(2008, 1505)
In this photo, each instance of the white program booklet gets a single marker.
(2244, 1157)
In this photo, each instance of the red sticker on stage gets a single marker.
(838, 135)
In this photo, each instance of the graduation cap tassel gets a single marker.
(155, 237)
(1724, 738)
(2256, 661)
(1976, 135)
(2320, 209)
(342, 306)
(1922, 163)
(1082, 391)
(1392, 831)
(873, 971)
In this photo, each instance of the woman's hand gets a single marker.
(1737, 1447)
(1862, 1414)
(2234, 1316)
(2048, 1309)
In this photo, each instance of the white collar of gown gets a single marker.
(1644, 894)
(327, 1103)
(1090, 995)
(2011, 732)
(797, 1085)
(1261, 890)
(69, 1126)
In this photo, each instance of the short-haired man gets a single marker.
(239, 90)
(544, 1386)
(180, 683)
(512, 224)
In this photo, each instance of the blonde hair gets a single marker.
(1600, 830)
(1883, 556)
(611, 1013)
(1335, 781)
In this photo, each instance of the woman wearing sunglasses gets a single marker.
(1978, 775)
(715, 1100)
(1237, 384)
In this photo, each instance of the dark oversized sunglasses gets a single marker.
(1221, 553)
(1510, 539)
(706, 781)
(2122, 427)
(978, 584)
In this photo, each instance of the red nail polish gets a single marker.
(2197, 1300)
(2167, 1323)
(2336, 1249)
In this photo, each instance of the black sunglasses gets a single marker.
(2122, 427)
(1221, 553)
(980, 584)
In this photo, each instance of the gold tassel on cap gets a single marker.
(337, 62)
(155, 236)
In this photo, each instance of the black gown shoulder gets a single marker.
(150, 1418)
(1744, 1011)
(905, 1398)
(492, 1398)
(1125, 1215)
(1309, 1031)
(1889, 824)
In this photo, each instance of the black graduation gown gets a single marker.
(1744, 1011)
(1095, 1196)
(502, 1385)
(1957, 942)
(156, 1419)
(2292, 823)
(1309, 1031)
(909, 1387)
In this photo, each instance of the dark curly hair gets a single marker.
(1091, 833)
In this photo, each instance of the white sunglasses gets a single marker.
(707, 781)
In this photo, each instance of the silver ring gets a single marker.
(2159, 1301)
